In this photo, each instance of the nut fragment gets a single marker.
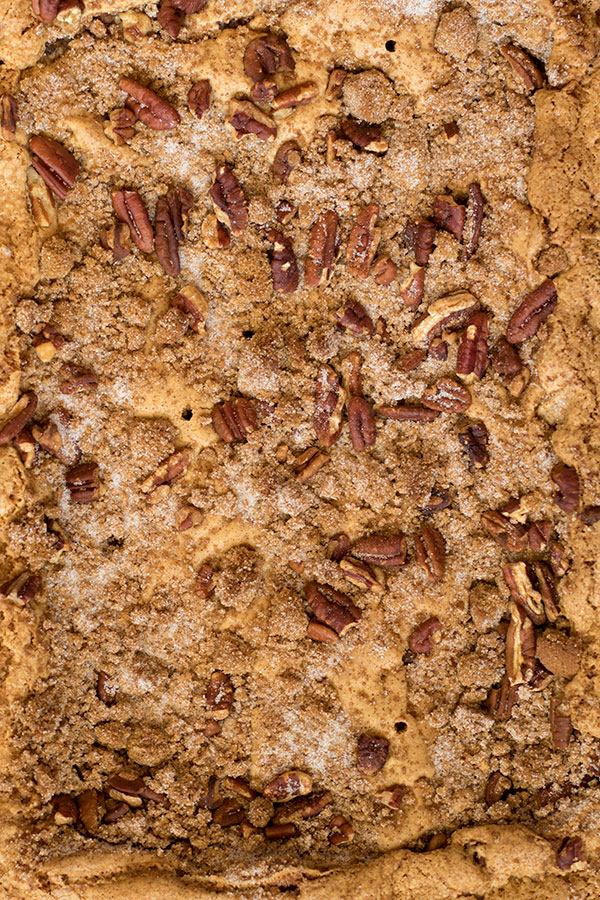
(240, 786)
(117, 239)
(384, 270)
(371, 754)
(430, 551)
(219, 695)
(558, 559)
(500, 701)
(302, 808)
(204, 585)
(41, 200)
(54, 163)
(46, 342)
(547, 588)
(532, 312)
(45, 10)
(505, 359)
(449, 215)
(472, 355)
(55, 436)
(333, 91)
(8, 117)
(523, 592)
(280, 832)
(364, 136)
(528, 69)
(266, 55)
(234, 419)
(449, 312)
(438, 500)
(130, 209)
(247, 119)
(560, 723)
(120, 126)
(425, 636)
(115, 811)
(363, 242)
(77, 379)
(194, 304)
(152, 110)
(330, 399)
(284, 268)
(447, 395)
(419, 237)
(25, 446)
(287, 158)
(216, 236)
(323, 249)
(413, 286)
(19, 416)
(106, 690)
(287, 786)
(331, 607)
(590, 515)
(474, 439)
(385, 551)
(199, 96)
(190, 7)
(65, 809)
(136, 24)
(338, 547)
(228, 200)
(170, 18)
(22, 589)
(392, 797)
(520, 646)
(168, 472)
(229, 813)
(354, 317)
(83, 483)
(570, 852)
(497, 787)
(131, 789)
(360, 574)
(91, 809)
(538, 534)
(567, 481)
(322, 633)
(474, 221)
(298, 95)
(340, 831)
(510, 535)
(308, 464)
(264, 92)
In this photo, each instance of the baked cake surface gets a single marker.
(299, 450)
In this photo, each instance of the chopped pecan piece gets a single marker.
(216, 236)
(569, 852)
(308, 464)
(284, 268)
(199, 97)
(168, 472)
(500, 701)
(130, 209)
(430, 551)
(474, 439)
(240, 786)
(510, 535)
(219, 695)
(322, 633)
(413, 287)
(405, 412)
(530, 315)
(228, 200)
(363, 242)
(547, 588)
(131, 789)
(25, 446)
(558, 559)
(280, 832)
(53, 436)
(451, 132)
(149, 108)
(505, 359)
(170, 225)
(497, 787)
(190, 6)
(204, 585)
(22, 589)
(212, 798)
(371, 754)
(340, 831)
(65, 810)
(354, 317)
(287, 158)
(392, 797)
(590, 515)
(287, 786)
(120, 127)
(385, 551)
(264, 92)
(413, 360)
(425, 636)
(91, 808)
(117, 239)
(54, 163)
(560, 723)
(302, 808)
(541, 677)
(472, 355)
(83, 483)
(558, 653)
(106, 690)
(323, 249)
(228, 813)
(170, 18)
(19, 416)
(330, 399)
(77, 379)
(194, 304)
(528, 69)
(45, 10)
(523, 592)
(359, 573)
(338, 547)
(520, 646)
(115, 811)
(298, 95)
(474, 221)
(332, 607)
(136, 25)
(538, 534)
(8, 117)
(450, 312)
(438, 500)
(567, 481)
(284, 213)
(447, 395)
(246, 118)
(234, 419)
(419, 237)
(266, 55)
(384, 270)
(336, 79)
(363, 136)
(41, 200)
(449, 215)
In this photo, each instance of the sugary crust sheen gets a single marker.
(299, 497)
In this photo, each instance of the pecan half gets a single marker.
(130, 209)
(505, 359)
(371, 754)
(298, 95)
(384, 271)
(529, 70)
(308, 464)
(234, 419)
(532, 312)
(430, 551)
(19, 416)
(474, 221)
(219, 695)
(22, 589)
(523, 592)
(567, 481)
(561, 728)
(336, 79)
(497, 788)
(361, 422)
(199, 96)
(117, 239)
(449, 215)
(246, 118)
(419, 237)
(500, 701)
(413, 286)
(363, 136)
(472, 354)
(170, 224)
(284, 268)
(65, 809)
(570, 851)
(106, 690)
(54, 163)
(323, 249)
(83, 483)
(287, 786)
(425, 636)
(363, 242)
(301, 808)
(405, 412)
(449, 312)
(332, 607)
(385, 551)
(287, 158)
(447, 395)
(354, 317)
(474, 439)
(340, 831)
(510, 535)
(77, 379)
(171, 470)
(194, 304)
(330, 399)
(120, 127)
(8, 117)
(520, 646)
(41, 200)
(170, 18)
(266, 55)
(359, 573)
(228, 200)
(45, 10)
(149, 108)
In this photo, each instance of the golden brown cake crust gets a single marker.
(187, 573)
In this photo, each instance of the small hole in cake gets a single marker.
(248, 333)
(187, 414)
(390, 46)
(400, 726)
